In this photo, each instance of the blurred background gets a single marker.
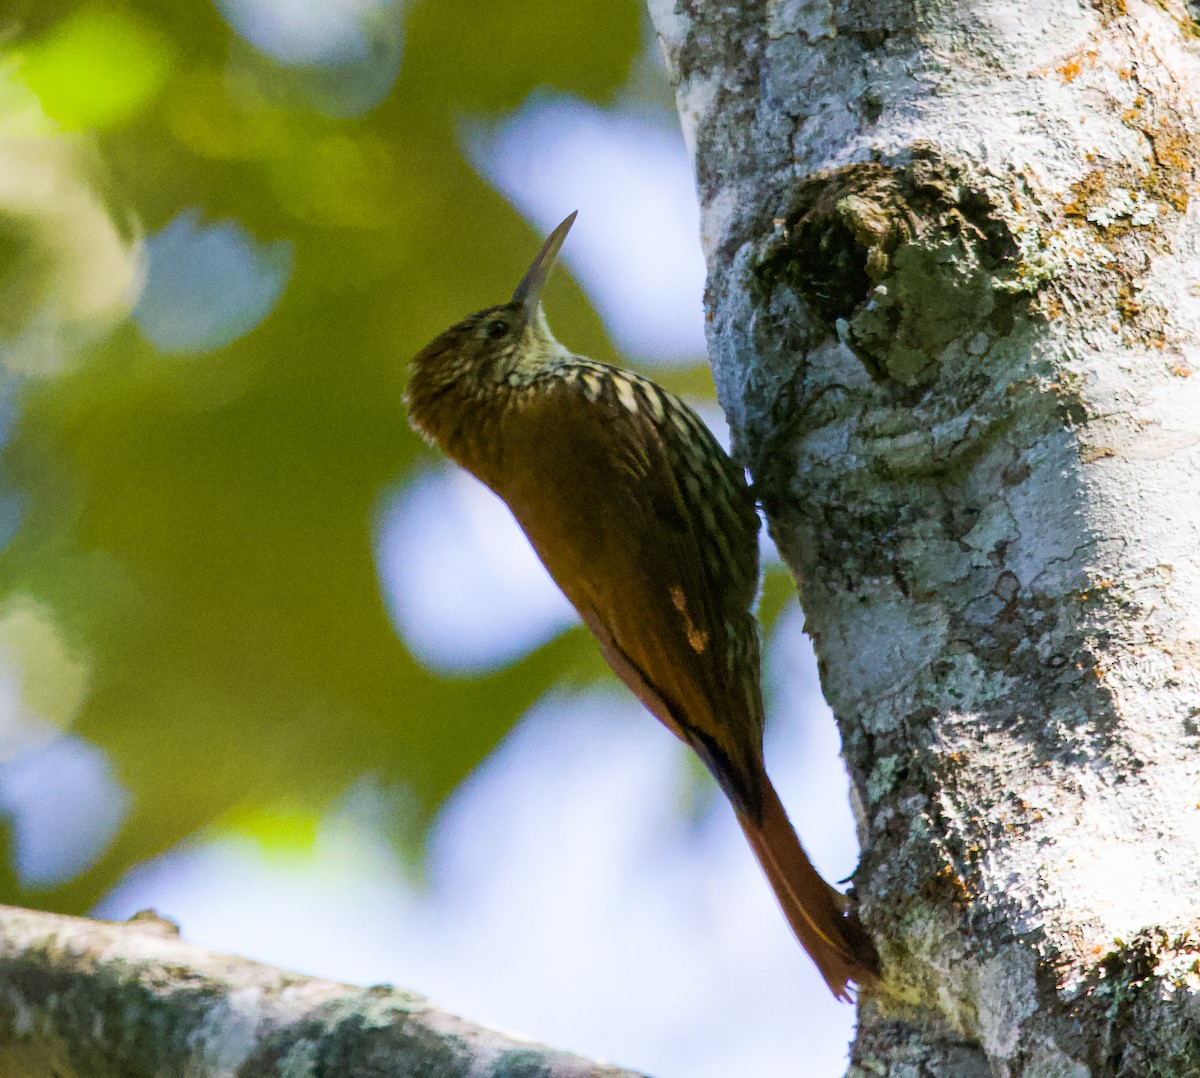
(267, 664)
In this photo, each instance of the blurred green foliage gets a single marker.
(96, 68)
(191, 584)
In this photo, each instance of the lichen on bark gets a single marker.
(950, 248)
(91, 999)
(902, 260)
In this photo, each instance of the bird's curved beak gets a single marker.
(529, 291)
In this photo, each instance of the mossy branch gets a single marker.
(93, 999)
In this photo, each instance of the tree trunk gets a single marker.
(953, 318)
(91, 999)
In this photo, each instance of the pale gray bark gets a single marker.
(953, 262)
(93, 999)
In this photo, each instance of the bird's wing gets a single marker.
(655, 543)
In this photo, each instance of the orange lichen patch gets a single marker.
(1100, 585)
(1050, 306)
(1073, 66)
(1173, 144)
(1087, 193)
(1118, 212)
(1174, 148)
(1110, 9)
(951, 881)
(1128, 306)
(1151, 327)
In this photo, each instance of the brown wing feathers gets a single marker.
(691, 656)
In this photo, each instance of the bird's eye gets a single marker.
(495, 329)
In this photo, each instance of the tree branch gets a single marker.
(96, 999)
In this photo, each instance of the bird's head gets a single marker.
(508, 344)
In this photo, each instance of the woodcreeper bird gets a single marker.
(651, 531)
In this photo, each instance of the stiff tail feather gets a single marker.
(819, 915)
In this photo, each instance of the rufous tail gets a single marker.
(820, 917)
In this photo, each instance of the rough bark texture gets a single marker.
(953, 317)
(91, 999)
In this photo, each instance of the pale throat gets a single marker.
(539, 351)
